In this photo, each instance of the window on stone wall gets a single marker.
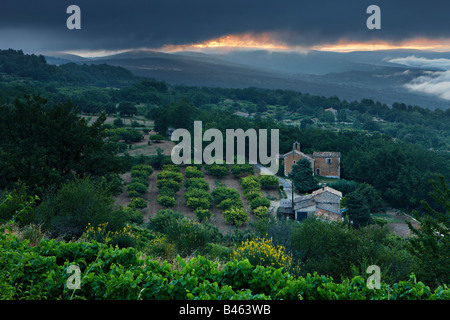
(329, 160)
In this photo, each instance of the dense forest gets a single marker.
(59, 175)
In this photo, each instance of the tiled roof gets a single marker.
(328, 189)
(297, 152)
(326, 154)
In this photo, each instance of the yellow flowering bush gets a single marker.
(161, 247)
(262, 251)
(122, 238)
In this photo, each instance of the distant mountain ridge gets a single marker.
(350, 76)
(37, 67)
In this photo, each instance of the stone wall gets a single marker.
(323, 168)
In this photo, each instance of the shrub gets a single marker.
(235, 216)
(142, 174)
(161, 247)
(77, 203)
(171, 167)
(112, 183)
(162, 217)
(217, 251)
(190, 163)
(201, 203)
(175, 186)
(141, 180)
(32, 233)
(250, 183)
(258, 202)
(218, 170)
(132, 215)
(263, 252)
(198, 183)
(122, 238)
(221, 193)
(268, 181)
(121, 147)
(138, 187)
(186, 235)
(193, 172)
(230, 203)
(252, 194)
(156, 138)
(127, 135)
(166, 191)
(166, 201)
(170, 175)
(202, 214)
(137, 203)
(197, 193)
(242, 169)
(159, 160)
(143, 167)
(14, 203)
(118, 122)
(133, 194)
(260, 211)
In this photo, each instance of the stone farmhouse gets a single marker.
(324, 203)
(325, 164)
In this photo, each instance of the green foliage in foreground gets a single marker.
(109, 273)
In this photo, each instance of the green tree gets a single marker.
(45, 145)
(358, 211)
(302, 176)
(118, 122)
(323, 247)
(67, 212)
(127, 109)
(371, 196)
(179, 114)
(327, 116)
(431, 241)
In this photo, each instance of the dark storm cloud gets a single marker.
(41, 25)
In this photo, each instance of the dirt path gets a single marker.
(400, 226)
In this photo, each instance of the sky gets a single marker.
(171, 25)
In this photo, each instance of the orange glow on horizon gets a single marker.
(268, 41)
(442, 45)
(228, 42)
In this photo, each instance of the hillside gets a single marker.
(17, 64)
(352, 76)
(86, 179)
